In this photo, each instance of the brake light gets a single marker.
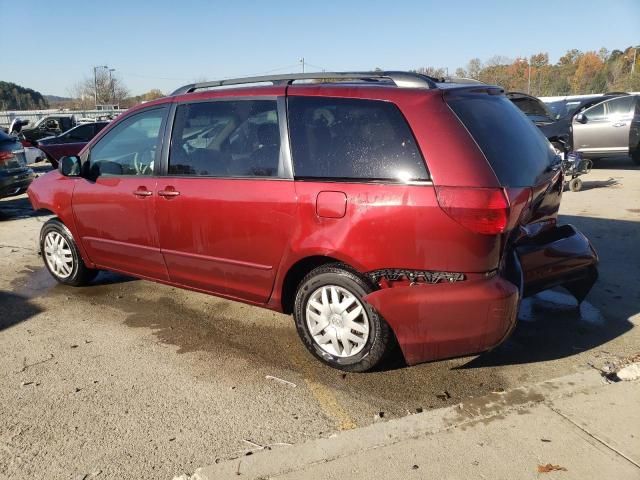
(481, 210)
(6, 156)
(26, 143)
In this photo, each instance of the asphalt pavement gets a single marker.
(131, 379)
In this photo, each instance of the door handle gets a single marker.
(142, 192)
(619, 124)
(169, 192)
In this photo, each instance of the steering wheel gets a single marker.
(143, 162)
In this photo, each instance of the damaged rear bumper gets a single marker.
(432, 322)
(561, 256)
(444, 320)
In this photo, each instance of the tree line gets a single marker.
(575, 73)
(15, 97)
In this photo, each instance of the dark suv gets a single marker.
(378, 208)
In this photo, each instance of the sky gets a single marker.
(50, 46)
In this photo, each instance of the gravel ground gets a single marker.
(130, 379)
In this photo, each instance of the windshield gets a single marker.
(558, 107)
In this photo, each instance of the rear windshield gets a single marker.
(516, 149)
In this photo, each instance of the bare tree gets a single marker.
(474, 67)
(461, 72)
(432, 71)
(105, 89)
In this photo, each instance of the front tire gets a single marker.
(635, 156)
(334, 322)
(61, 255)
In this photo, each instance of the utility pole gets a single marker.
(633, 65)
(302, 62)
(112, 92)
(529, 77)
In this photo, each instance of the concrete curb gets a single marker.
(285, 460)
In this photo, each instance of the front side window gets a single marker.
(352, 139)
(238, 138)
(595, 113)
(620, 107)
(131, 147)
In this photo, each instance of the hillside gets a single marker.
(15, 97)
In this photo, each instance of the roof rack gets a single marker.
(400, 79)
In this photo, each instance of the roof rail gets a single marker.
(400, 79)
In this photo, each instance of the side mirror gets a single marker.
(581, 117)
(70, 166)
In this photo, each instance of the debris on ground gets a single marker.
(550, 468)
(629, 373)
(444, 395)
(280, 380)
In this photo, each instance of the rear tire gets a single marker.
(334, 322)
(61, 255)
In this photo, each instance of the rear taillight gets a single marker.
(6, 156)
(481, 210)
(26, 143)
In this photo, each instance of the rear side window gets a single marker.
(516, 149)
(352, 139)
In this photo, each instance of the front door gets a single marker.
(606, 127)
(225, 209)
(114, 209)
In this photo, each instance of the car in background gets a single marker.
(556, 119)
(15, 175)
(569, 106)
(555, 128)
(609, 128)
(48, 126)
(381, 209)
(70, 142)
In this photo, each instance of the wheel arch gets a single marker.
(296, 273)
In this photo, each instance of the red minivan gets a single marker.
(381, 209)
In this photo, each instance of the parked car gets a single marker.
(377, 208)
(15, 176)
(48, 126)
(69, 142)
(555, 118)
(554, 127)
(609, 128)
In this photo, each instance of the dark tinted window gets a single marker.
(83, 133)
(352, 139)
(516, 149)
(98, 126)
(238, 138)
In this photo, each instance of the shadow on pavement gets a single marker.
(15, 309)
(551, 325)
(590, 184)
(14, 208)
(621, 163)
